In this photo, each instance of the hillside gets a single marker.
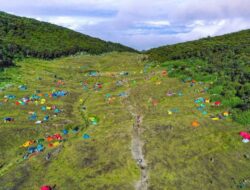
(235, 43)
(22, 37)
(176, 117)
(87, 122)
(224, 61)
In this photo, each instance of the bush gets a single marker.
(232, 102)
(242, 117)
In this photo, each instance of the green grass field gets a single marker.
(178, 155)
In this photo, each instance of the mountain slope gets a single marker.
(28, 37)
(234, 43)
(224, 61)
(140, 137)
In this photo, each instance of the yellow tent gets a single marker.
(27, 143)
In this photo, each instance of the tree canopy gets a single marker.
(24, 37)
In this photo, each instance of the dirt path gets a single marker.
(136, 148)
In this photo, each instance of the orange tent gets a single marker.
(50, 139)
(154, 102)
(195, 124)
(164, 73)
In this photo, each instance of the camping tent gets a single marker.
(86, 136)
(46, 187)
(195, 124)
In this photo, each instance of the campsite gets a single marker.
(82, 147)
(78, 112)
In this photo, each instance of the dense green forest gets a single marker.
(223, 60)
(24, 37)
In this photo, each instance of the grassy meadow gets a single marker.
(178, 155)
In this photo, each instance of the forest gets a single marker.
(23, 37)
(223, 60)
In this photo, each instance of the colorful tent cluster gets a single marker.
(189, 80)
(9, 97)
(24, 101)
(200, 102)
(32, 150)
(51, 108)
(59, 93)
(55, 140)
(220, 116)
(109, 98)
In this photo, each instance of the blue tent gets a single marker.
(57, 110)
(33, 117)
(39, 147)
(34, 97)
(65, 131)
(43, 108)
(22, 87)
(123, 94)
(204, 112)
(31, 150)
(59, 94)
(46, 118)
(11, 97)
(86, 136)
(93, 73)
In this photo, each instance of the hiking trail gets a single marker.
(137, 149)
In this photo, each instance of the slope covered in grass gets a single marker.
(123, 90)
(223, 60)
(28, 37)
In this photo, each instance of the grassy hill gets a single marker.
(22, 37)
(224, 61)
(141, 137)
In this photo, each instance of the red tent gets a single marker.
(46, 187)
(57, 136)
(217, 103)
(245, 135)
